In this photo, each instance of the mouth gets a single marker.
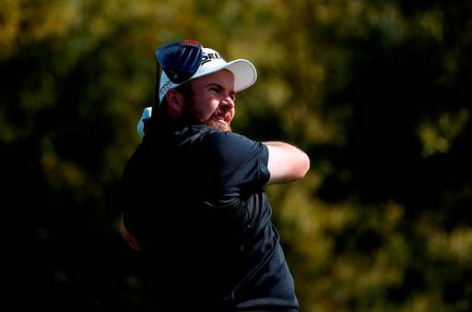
(220, 120)
(220, 123)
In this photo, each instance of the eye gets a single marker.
(215, 88)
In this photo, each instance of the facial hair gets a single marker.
(188, 118)
(218, 125)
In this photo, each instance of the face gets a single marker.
(211, 101)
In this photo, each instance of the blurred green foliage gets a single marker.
(377, 92)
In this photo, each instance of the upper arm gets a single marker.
(286, 162)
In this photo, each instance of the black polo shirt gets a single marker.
(195, 200)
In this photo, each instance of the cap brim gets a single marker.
(245, 74)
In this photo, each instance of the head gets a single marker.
(208, 100)
(208, 96)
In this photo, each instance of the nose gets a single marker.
(227, 103)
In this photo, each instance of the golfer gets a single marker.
(193, 192)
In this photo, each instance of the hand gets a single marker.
(130, 239)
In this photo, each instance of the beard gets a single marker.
(189, 118)
(218, 125)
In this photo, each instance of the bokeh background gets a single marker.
(377, 92)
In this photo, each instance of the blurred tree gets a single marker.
(377, 93)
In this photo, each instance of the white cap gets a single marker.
(245, 74)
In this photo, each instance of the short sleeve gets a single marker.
(241, 162)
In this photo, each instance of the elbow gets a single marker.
(300, 169)
(304, 166)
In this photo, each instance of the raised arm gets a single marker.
(287, 162)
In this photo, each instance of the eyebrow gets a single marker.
(220, 88)
(214, 84)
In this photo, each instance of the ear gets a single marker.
(174, 102)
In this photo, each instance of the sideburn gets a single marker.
(186, 116)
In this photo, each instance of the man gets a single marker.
(193, 192)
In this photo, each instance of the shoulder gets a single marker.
(236, 152)
(231, 141)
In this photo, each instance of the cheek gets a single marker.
(202, 109)
(210, 102)
(207, 106)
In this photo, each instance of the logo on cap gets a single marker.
(208, 57)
